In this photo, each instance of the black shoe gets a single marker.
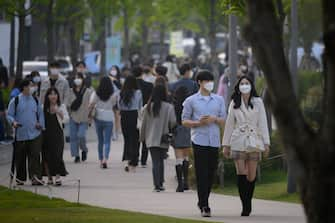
(37, 183)
(157, 189)
(77, 159)
(19, 183)
(206, 212)
(104, 166)
(58, 183)
(179, 173)
(83, 156)
(185, 174)
(162, 188)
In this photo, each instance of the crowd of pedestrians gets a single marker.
(155, 107)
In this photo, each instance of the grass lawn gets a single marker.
(271, 187)
(21, 206)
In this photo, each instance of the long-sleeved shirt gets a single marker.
(27, 112)
(136, 102)
(62, 86)
(153, 128)
(197, 106)
(80, 115)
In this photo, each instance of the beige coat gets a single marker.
(61, 85)
(153, 128)
(81, 115)
(242, 120)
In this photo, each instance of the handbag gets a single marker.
(245, 138)
(167, 138)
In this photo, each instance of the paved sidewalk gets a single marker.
(117, 189)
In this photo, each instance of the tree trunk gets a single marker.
(126, 36)
(212, 38)
(282, 14)
(328, 127)
(74, 44)
(145, 35)
(12, 47)
(197, 47)
(317, 190)
(96, 30)
(102, 46)
(50, 31)
(161, 42)
(20, 47)
(315, 151)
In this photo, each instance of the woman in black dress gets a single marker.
(53, 137)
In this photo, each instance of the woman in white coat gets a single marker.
(246, 135)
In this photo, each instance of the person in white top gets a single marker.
(246, 135)
(172, 69)
(101, 107)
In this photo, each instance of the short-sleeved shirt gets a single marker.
(197, 106)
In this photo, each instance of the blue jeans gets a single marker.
(104, 132)
(78, 137)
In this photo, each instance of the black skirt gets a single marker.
(53, 147)
(182, 137)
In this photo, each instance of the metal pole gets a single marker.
(78, 191)
(232, 54)
(12, 47)
(292, 167)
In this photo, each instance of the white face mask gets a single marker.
(209, 86)
(78, 81)
(113, 73)
(37, 79)
(32, 90)
(54, 71)
(245, 88)
(191, 74)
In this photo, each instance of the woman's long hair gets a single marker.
(105, 89)
(179, 97)
(51, 90)
(236, 97)
(128, 89)
(157, 97)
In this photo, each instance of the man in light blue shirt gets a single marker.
(205, 113)
(26, 116)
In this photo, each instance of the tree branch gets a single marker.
(263, 32)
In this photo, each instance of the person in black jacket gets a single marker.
(3, 74)
(3, 84)
(146, 89)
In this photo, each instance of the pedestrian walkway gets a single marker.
(117, 189)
